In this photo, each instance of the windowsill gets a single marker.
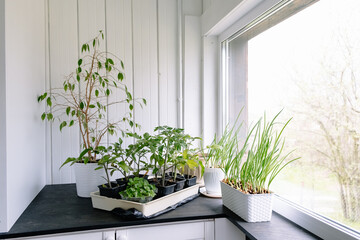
(57, 209)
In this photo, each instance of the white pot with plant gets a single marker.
(217, 155)
(245, 189)
(83, 101)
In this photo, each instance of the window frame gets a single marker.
(317, 224)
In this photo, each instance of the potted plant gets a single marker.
(137, 152)
(245, 190)
(166, 153)
(218, 153)
(83, 102)
(106, 162)
(138, 190)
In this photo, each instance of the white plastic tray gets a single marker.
(148, 209)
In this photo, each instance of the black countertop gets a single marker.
(57, 209)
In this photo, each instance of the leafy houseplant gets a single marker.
(220, 153)
(247, 182)
(106, 162)
(138, 190)
(83, 99)
(169, 150)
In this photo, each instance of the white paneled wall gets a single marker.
(22, 77)
(144, 34)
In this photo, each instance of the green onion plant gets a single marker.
(264, 161)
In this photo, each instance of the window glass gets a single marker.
(309, 66)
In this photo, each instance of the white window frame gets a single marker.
(307, 219)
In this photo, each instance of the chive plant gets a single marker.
(264, 161)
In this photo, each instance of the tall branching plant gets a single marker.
(84, 98)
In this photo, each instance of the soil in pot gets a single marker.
(154, 181)
(169, 188)
(112, 192)
(190, 180)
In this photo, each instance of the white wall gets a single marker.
(3, 211)
(24, 69)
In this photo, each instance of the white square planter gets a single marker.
(250, 207)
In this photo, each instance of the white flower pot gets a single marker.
(212, 178)
(87, 178)
(250, 207)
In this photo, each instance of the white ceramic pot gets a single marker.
(250, 207)
(212, 178)
(87, 178)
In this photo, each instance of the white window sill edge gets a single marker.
(314, 223)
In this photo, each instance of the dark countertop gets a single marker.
(57, 209)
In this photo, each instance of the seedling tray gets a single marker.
(149, 208)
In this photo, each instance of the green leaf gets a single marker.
(73, 113)
(49, 116)
(122, 64)
(82, 105)
(71, 123)
(82, 154)
(43, 116)
(110, 61)
(120, 76)
(65, 87)
(99, 65)
(48, 101)
(83, 48)
(63, 124)
(107, 92)
(144, 101)
(80, 62)
(129, 95)
(96, 93)
(94, 41)
(79, 69)
(131, 107)
(131, 123)
(98, 104)
(68, 110)
(78, 77)
(91, 106)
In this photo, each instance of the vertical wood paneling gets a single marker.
(144, 34)
(145, 62)
(192, 76)
(91, 20)
(63, 53)
(119, 42)
(168, 60)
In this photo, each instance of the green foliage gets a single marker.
(264, 160)
(96, 76)
(170, 148)
(138, 188)
(221, 152)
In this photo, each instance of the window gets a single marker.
(309, 66)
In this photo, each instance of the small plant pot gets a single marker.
(139, 200)
(169, 188)
(190, 180)
(121, 181)
(112, 192)
(250, 207)
(180, 183)
(140, 176)
(212, 178)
